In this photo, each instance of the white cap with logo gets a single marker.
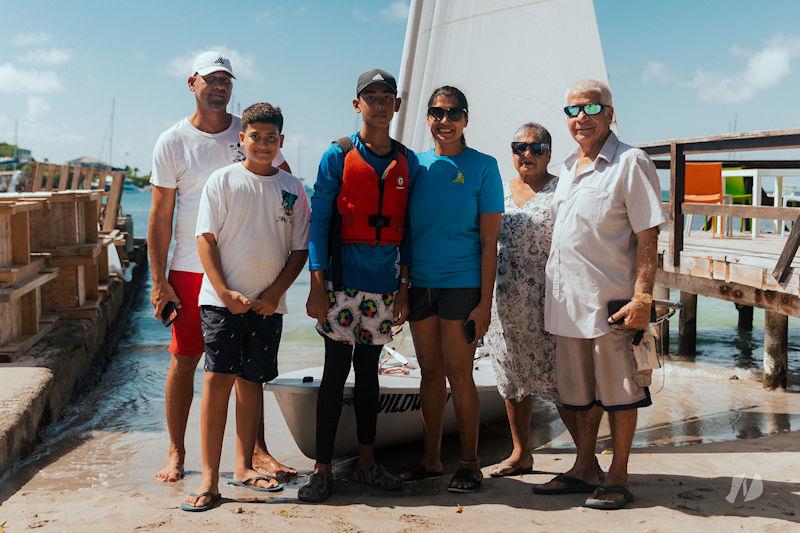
(212, 61)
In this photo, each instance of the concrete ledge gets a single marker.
(35, 387)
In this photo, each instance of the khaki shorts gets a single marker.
(600, 371)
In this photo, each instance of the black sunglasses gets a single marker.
(454, 113)
(519, 148)
(573, 111)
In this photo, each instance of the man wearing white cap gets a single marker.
(183, 158)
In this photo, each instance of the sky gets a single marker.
(677, 68)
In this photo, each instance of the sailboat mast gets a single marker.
(111, 143)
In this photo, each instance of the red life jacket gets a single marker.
(372, 208)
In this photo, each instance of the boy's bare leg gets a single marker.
(179, 392)
(262, 459)
(213, 416)
(248, 405)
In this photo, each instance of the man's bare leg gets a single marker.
(263, 460)
(583, 426)
(178, 394)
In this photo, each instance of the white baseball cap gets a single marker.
(212, 61)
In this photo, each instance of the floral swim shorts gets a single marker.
(358, 317)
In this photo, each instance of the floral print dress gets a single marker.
(521, 350)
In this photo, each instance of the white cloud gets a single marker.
(656, 72)
(764, 70)
(243, 64)
(37, 107)
(27, 81)
(397, 10)
(46, 56)
(265, 18)
(31, 38)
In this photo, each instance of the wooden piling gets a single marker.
(776, 340)
(661, 292)
(687, 326)
(745, 317)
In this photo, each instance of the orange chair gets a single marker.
(703, 186)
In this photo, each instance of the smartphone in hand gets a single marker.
(469, 331)
(169, 314)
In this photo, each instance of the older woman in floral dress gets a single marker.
(521, 349)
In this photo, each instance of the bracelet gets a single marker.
(405, 280)
(643, 297)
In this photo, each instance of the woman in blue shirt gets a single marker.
(454, 214)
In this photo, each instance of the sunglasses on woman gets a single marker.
(519, 148)
(454, 113)
(591, 110)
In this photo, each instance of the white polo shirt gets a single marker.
(183, 159)
(596, 215)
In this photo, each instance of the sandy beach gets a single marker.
(704, 429)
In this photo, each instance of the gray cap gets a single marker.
(375, 75)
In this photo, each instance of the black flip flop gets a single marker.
(470, 481)
(572, 485)
(609, 505)
(416, 472)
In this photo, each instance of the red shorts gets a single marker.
(187, 334)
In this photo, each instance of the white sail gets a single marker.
(514, 60)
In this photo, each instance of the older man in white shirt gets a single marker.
(607, 213)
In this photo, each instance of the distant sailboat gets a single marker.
(514, 60)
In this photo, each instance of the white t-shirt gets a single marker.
(257, 221)
(183, 158)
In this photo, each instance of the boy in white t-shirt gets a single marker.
(252, 239)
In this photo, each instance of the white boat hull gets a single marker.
(399, 420)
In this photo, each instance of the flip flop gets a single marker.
(417, 472)
(250, 483)
(514, 470)
(609, 505)
(572, 485)
(216, 498)
(469, 479)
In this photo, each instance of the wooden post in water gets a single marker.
(745, 317)
(661, 292)
(776, 354)
(687, 326)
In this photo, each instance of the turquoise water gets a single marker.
(718, 339)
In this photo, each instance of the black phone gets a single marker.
(169, 314)
(469, 331)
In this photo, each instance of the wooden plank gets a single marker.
(36, 185)
(14, 292)
(756, 140)
(12, 350)
(743, 211)
(113, 202)
(664, 164)
(776, 352)
(20, 239)
(30, 307)
(12, 274)
(677, 179)
(51, 175)
(787, 304)
(63, 179)
(784, 266)
(88, 309)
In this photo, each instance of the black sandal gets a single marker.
(416, 472)
(465, 480)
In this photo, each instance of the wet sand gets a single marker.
(94, 473)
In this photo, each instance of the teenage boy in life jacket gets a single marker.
(359, 281)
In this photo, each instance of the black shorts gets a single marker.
(245, 345)
(450, 304)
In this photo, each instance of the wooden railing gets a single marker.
(678, 149)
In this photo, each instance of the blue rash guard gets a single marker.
(449, 195)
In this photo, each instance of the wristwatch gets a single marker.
(644, 297)
(405, 280)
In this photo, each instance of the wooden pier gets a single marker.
(748, 269)
(56, 235)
